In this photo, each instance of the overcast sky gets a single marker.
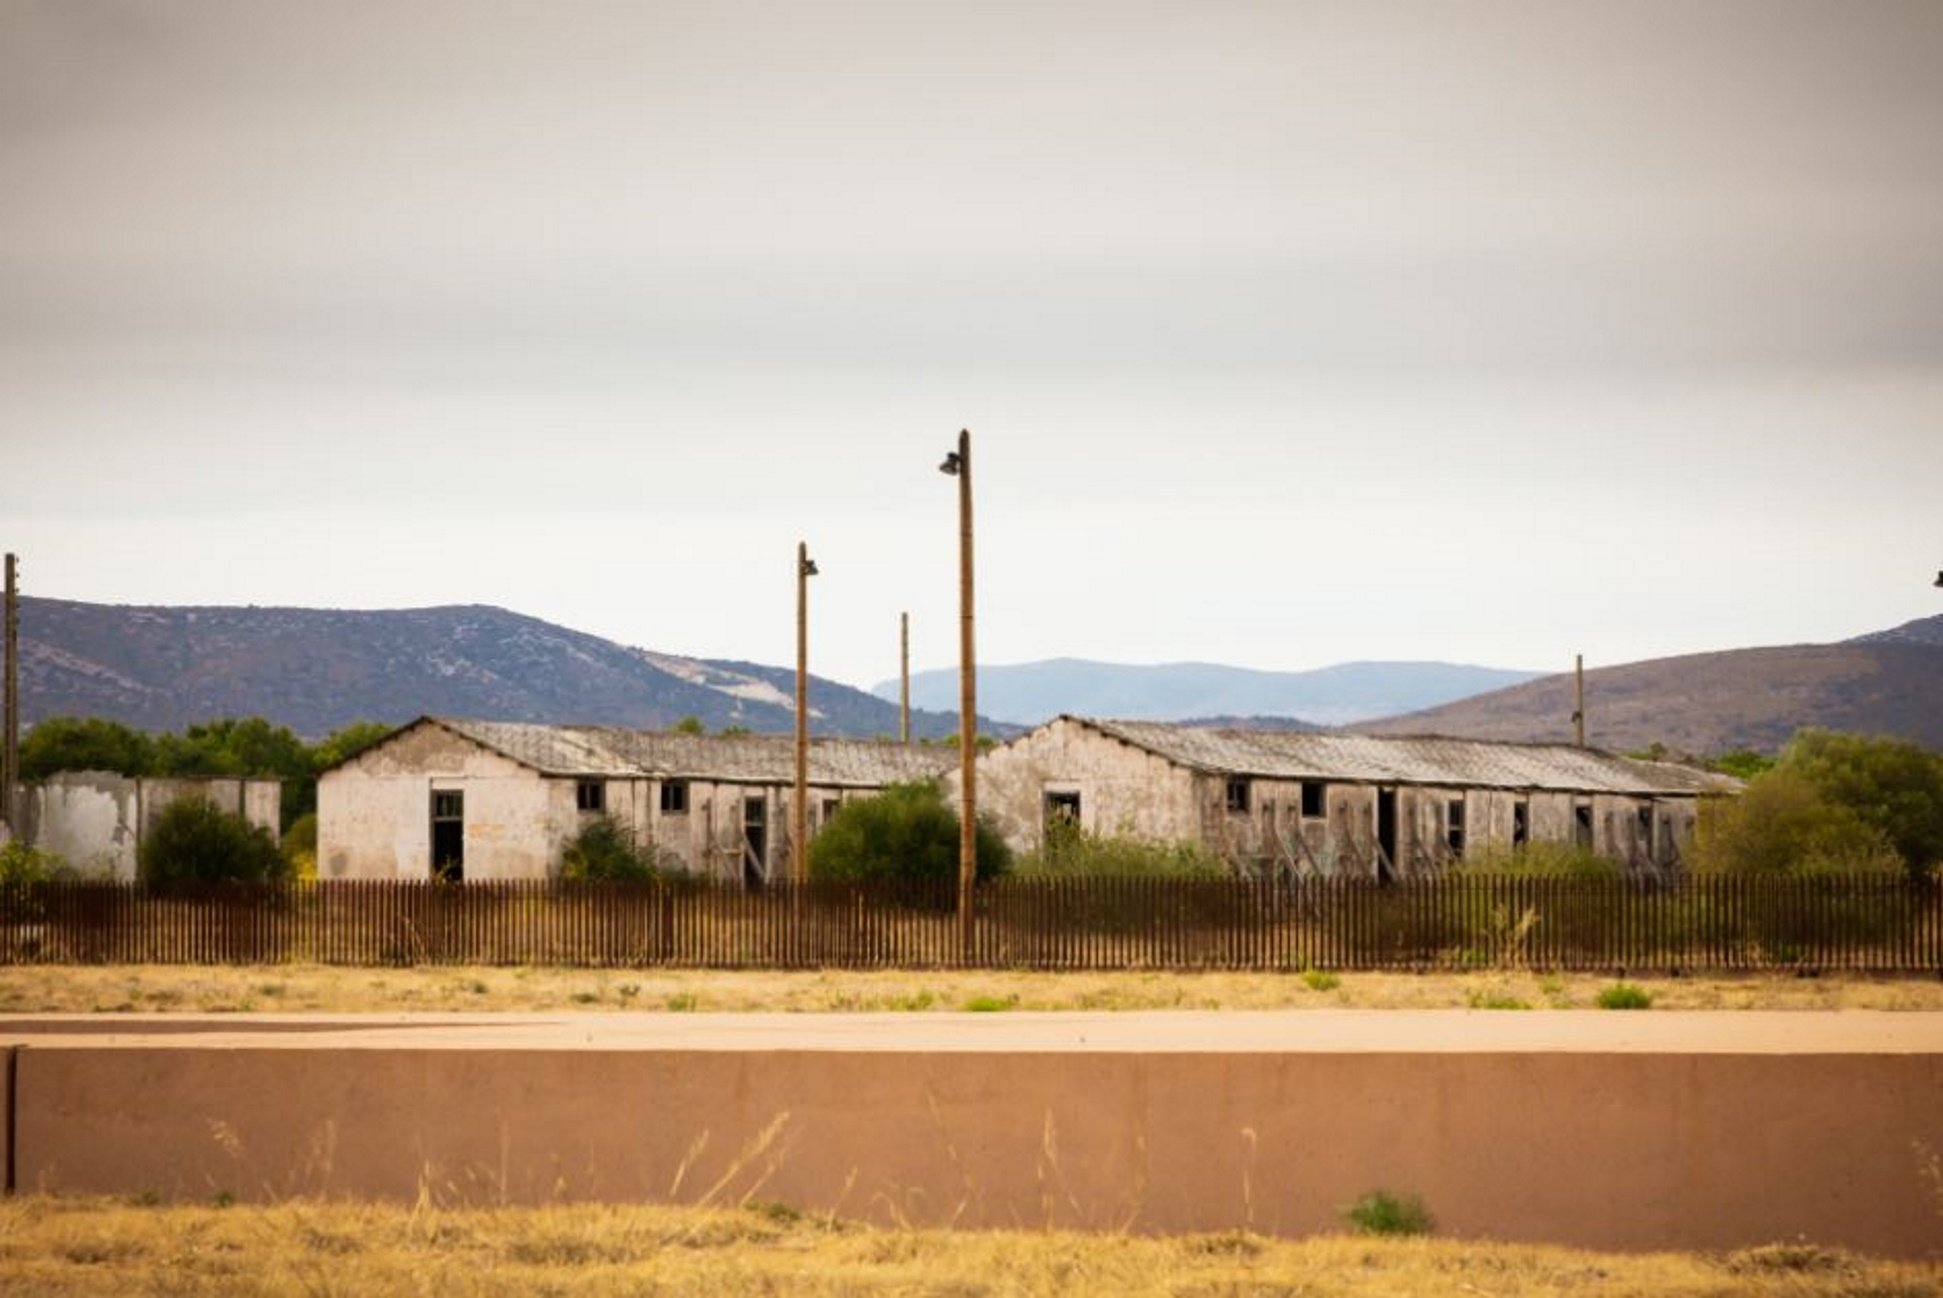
(1287, 334)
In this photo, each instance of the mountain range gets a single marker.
(315, 670)
(1029, 693)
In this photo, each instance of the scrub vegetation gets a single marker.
(57, 1248)
(84, 989)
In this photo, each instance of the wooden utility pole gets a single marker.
(904, 679)
(799, 819)
(10, 745)
(1578, 707)
(958, 464)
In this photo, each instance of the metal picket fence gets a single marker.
(1458, 921)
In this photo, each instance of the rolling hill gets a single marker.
(1888, 682)
(161, 668)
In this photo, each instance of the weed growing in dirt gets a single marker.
(1625, 996)
(1382, 1213)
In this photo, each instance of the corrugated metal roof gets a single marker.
(754, 759)
(1450, 763)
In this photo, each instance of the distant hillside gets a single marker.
(1924, 630)
(314, 670)
(1029, 693)
(1710, 703)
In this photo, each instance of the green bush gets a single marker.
(1782, 824)
(1625, 996)
(1381, 1213)
(1540, 860)
(905, 834)
(21, 865)
(605, 852)
(1073, 853)
(195, 842)
(1891, 785)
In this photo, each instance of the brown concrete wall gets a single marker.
(1615, 1150)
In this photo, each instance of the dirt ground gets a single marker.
(299, 988)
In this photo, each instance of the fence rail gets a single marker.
(1454, 922)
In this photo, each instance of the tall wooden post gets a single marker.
(1578, 707)
(958, 464)
(10, 744)
(799, 819)
(904, 679)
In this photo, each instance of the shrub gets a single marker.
(605, 852)
(905, 834)
(1381, 1213)
(1545, 860)
(23, 866)
(1783, 824)
(1891, 785)
(1625, 996)
(193, 841)
(1073, 853)
(299, 846)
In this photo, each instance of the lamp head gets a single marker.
(1939, 579)
(809, 567)
(950, 466)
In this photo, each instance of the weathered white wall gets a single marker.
(1123, 790)
(95, 820)
(1127, 790)
(374, 813)
(90, 819)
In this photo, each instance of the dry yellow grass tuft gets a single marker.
(59, 1247)
(297, 988)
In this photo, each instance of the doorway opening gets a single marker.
(1386, 835)
(448, 835)
(755, 842)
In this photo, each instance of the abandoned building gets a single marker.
(1328, 804)
(501, 800)
(96, 821)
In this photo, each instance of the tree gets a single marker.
(345, 743)
(1891, 785)
(1783, 824)
(906, 834)
(690, 726)
(243, 747)
(85, 744)
(193, 841)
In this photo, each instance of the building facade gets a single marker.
(96, 821)
(1329, 804)
(502, 800)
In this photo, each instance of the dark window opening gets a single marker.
(830, 808)
(1454, 826)
(1582, 825)
(1314, 799)
(448, 835)
(590, 795)
(755, 842)
(1238, 795)
(1520, 823)
(674, 797)
(1062, 821)
(1386, 834)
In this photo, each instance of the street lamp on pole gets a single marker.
(799, 822)
(957, 464)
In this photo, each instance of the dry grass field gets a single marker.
(55, 1247)
(299, 988)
